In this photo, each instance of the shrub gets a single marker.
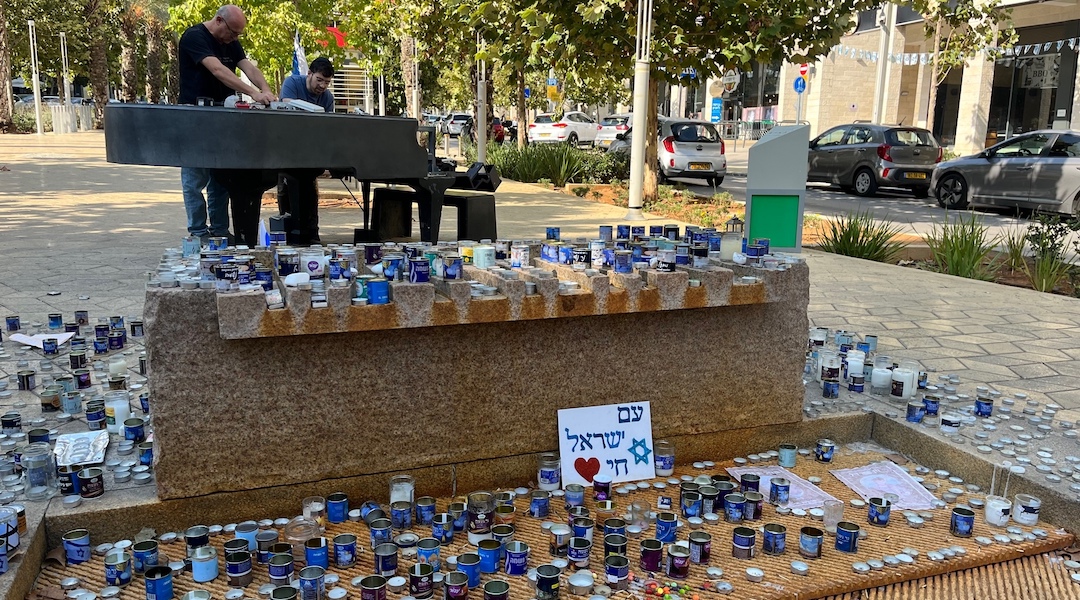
(962, 247)
(1015, 239)
(560, 163)
(22, 120)
(1047, 236)
(1047, 272)
(861, 236)
(580, 190)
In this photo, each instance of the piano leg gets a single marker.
(365, 188)
(246, 187)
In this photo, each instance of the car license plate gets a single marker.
(697, 166)
(914, 175)
(605, 142)
(545, 135)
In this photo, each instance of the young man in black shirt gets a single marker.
(209, 54)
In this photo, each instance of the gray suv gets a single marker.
(863, 157)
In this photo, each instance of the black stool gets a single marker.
(391, 213)
(476, 214)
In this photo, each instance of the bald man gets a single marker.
(209, 54)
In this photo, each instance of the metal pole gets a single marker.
(64, 63)
(640, 133)
(382, 96)
(884, 49)
(481, 107)
(34, 68)
(416, 87)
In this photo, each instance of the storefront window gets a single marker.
(1027, 87)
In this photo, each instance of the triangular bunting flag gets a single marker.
(1046, 46)
(1060, 43)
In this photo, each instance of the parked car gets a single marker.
(685, 148)
(456, 122)
(1039, 170)
(574, 128)
(863, 157)
(611, 126)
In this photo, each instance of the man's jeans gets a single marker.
(193, 181)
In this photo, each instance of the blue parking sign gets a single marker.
(800, 85)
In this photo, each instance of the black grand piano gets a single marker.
(249, 147)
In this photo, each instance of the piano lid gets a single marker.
(375, 148)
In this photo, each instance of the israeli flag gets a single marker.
(299, 61)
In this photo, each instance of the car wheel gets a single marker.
(952, 192)
(865, 183)
(921, 191)
(660, 177)
(716, 181)
(572, 140)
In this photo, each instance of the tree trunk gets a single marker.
(172, 73)
(931, 106)
(522, 110)
(99, 58)
(154, 35)
(129, 27)
(651, 187)
(408, 76)
(6, 96)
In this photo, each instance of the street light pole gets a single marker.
(641, 108)
(34, 69)
(481, 105)
(64, 64)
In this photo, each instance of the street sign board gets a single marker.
(804, 69)
(528, 92)
(800, 85)
(716, 114)
(731, 80)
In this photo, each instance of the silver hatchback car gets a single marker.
(691, 149)
(1039, 170)
(863, 157)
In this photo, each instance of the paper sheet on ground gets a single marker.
(877, 479)
(803, 494)
(37, 340)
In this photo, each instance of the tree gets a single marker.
(271, 26)
(95, 12)
(6, 96)
(131, 22)
(597, 37)
(960, 30)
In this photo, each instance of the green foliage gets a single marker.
(862, 236)
(603, 166)
(1015, 239)
(580, 190)
(676, 204)
(557, 163)
(1047, 272)
(1047, 236)
(22, 120)
(268, 35)
(962, 247)
(964, 28)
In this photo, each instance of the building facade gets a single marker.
(1036, 86)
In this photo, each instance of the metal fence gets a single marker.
(71, 118)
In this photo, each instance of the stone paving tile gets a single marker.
(1042, 354)
(1009, 360)
(975, 364)
(942, 365)
(1063, 345)
(1069, 399)
(970, 329)
(1056, 383)
(970, 348)
(1034, 370)
(924, 342)
(999, 347)
(1070, 368)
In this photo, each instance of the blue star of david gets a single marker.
(640, 451)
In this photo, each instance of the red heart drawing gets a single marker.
(587, 468)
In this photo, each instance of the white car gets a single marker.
(575, 128)
(611, 126)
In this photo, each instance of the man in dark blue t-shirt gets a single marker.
(312, 87)
(298, 189)
(209, 54)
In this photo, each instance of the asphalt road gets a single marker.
(901, 207)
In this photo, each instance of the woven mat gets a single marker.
(832, 574)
